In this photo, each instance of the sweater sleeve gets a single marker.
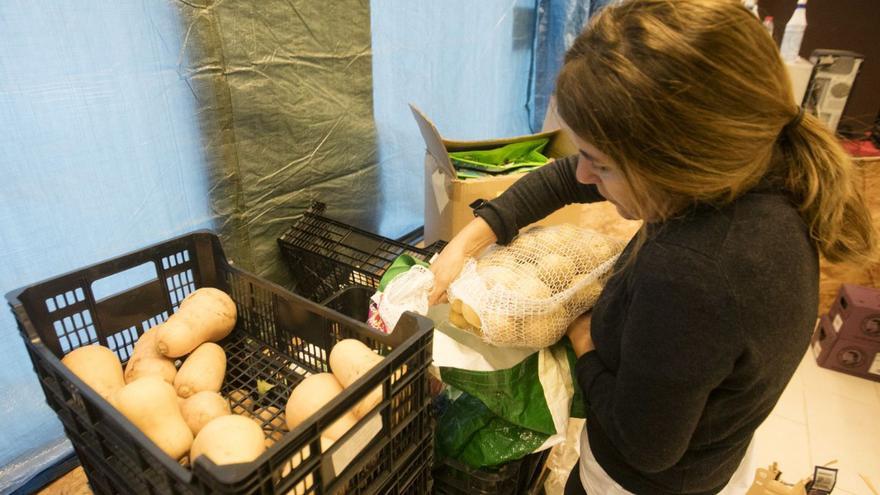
(680, 339)
(535, 196)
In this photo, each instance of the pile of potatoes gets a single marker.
(525, 294)
(349, 360)
(179, 409)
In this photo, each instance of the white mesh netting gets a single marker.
(526, 294)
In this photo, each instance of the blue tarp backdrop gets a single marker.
(101, 155)
(102, 151)
(465, 64)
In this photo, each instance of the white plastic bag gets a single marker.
(407, 292)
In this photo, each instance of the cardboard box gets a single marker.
(834, 350)
(847, 339)
(448, 199)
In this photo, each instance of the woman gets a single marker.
(683, 115)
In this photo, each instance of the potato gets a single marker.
(555, 271)
(531, 288)
(98, 367)
(498, 276)
(204, 369)
(455, 306)
(524, 330)
(531, 241)
(585, 298)
(458, 320)
(151, 404)
(471, 316)
(202, 407)
(146, 360)
(349, 360)
(229, 439)
(206, 315)
(599, 251)
(310, 396)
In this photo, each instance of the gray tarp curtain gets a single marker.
(126, 123)
(284, 94)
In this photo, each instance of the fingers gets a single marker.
(446, 268)
(440, 299)
(438, 294)
(433, 297)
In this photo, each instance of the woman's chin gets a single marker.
(625, 213)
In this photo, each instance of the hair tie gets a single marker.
(794, 122)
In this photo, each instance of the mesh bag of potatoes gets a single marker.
(526, 294)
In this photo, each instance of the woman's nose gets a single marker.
(585, 173)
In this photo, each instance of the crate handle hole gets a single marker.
(124, 281)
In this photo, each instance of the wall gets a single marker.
(841, 25)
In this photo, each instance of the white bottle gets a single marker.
(752, 5)
(794, 32)
(768, 24)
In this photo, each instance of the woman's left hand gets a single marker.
(580, 336)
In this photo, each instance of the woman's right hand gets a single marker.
(469, 242)
(446, 268)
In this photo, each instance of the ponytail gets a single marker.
(692, 100)
(821, 179)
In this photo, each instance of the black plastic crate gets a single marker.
(325, 255)
(279, 338)
(451, 477)
(519, 477)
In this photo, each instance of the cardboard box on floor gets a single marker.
(448, 199)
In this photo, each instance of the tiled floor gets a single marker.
(824, 415)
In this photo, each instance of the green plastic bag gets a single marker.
(516, 393)
(514, 157)
(400, 265)
(470, 432)
(502, 403)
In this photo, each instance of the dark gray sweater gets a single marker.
(695, 340)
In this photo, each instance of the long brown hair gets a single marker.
(692, 100)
